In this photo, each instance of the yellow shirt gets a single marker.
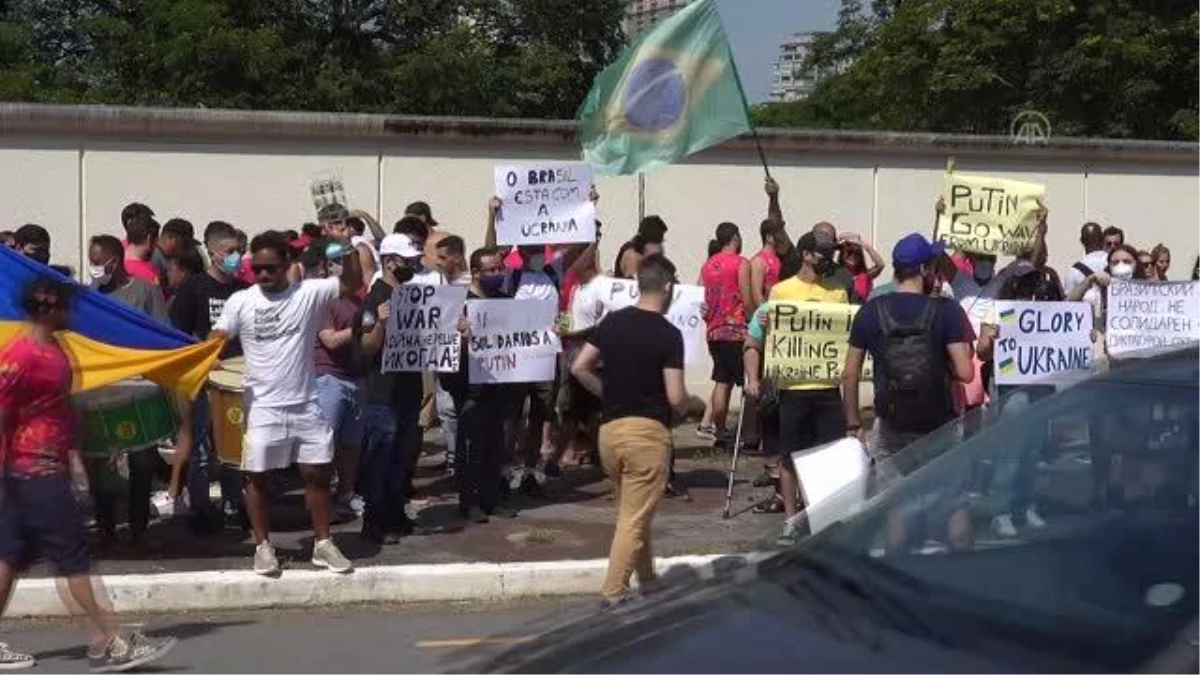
(798, 290)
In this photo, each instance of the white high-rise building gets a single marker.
(642, 15)
(789, 83)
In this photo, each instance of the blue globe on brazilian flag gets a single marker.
(673, 92)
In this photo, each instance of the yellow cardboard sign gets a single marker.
(807, 342)
(988, 215)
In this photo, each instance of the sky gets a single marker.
(756, 27)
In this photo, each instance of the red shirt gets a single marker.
(771, 273)
(726, 314)
(35, 394)
(142, 269)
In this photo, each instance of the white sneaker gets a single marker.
(1003, 525)
(265, 562)
(327, 555)
(357, 503)
(1033, 518)
(11, 659)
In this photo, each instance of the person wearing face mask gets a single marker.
(810, 413)
(391, 402)
(194, 309)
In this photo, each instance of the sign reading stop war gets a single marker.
(988, 215)
(684, 311)
(545, 204)
(422, 331)
(1152, 315)
(1042, 341)
(512, 341)
(807, 342)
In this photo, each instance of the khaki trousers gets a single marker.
(634, 452)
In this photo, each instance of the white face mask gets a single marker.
(1123, 271)
(100, 274)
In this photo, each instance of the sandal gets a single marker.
(765, 479)
(772, 505)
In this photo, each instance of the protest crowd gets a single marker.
(342, 343)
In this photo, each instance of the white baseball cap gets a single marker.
(399, 244)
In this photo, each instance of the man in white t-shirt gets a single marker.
(277, 324)
(1095, 259)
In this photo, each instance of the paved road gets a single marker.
(345, 640)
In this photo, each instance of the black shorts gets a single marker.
(727, 361)
(808, 418)
(39, 519)
(542, 398)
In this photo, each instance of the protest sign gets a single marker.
(684, 311)
(833, 480)
(807, 342)
(545, 204)
(512, 341)
(988, 215)
(1151, 314)
(1042, 341)
(422, 329)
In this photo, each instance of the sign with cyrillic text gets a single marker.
(684, 311)
(512, 341)
(545, 204)
(422, 331)
(988, 215)
(1041, 342)
(807, 342)
(1151, 315)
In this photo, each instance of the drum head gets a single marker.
(237, 365)
(225, 379)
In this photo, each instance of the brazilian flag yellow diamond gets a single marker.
(673, 92)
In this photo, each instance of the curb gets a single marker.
(242, 589)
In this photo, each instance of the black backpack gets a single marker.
(916, 392)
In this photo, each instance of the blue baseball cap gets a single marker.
(915, 250)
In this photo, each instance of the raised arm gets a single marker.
(372, 224)
(1038, 255)
(774, 211)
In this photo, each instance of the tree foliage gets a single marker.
(533, 58)
(1111, 68)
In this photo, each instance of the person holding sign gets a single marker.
(278, 323)
(642, 389)
(391, 402)
(920, 345)
(810, 413)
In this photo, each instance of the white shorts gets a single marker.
(276, 438)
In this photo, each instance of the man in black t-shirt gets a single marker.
(391, 403)
(642, 388)
(195, 307)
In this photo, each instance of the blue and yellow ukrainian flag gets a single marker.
(1008, 366)
(108, 341)
(673, 92)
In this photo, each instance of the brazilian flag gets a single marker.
(673, 92)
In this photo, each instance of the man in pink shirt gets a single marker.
(141, 234)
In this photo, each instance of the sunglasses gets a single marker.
(269, 269)
(43, 306)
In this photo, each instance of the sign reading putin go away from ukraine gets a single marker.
(988, 215)
(807, 343)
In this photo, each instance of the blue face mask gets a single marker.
(491, 284)
(231, 262)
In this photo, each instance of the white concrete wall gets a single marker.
(76, 186)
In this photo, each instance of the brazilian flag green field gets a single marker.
(673, 92)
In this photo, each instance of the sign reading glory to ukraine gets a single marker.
(988, 215)
(545, 204)
(807, 342)
(673, 92)
(1042, 341)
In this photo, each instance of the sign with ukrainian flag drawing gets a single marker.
(673, 92)
(1041, 342)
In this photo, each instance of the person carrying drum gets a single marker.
(39, 515)
(277, 323)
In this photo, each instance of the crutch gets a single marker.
(737, 447)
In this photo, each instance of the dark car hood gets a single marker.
(746, 623)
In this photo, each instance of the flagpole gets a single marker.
(641, 196)
(761, 155)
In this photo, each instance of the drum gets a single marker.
(225, 401)
(127, 416)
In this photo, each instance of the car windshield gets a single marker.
(1068, 521)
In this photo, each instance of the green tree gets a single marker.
(1113, 68)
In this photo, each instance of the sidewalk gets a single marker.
(569, 531)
